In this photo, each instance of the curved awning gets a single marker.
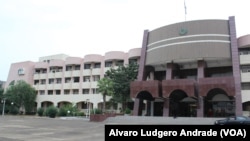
(220, 97)
(188, 99)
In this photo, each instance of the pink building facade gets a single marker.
(61, 79)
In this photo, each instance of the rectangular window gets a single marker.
(58, 80)
(96, 77)
(43, 81)
(44, 71)
(77, 67)
(58, 92)
(37, 71)
(50, 92)
(51, 81)
(41, 92)
(55, 69)
(75, 91)
(245, 86)
(87, 66)
(66, 91)
(52, 69)
(108, 64)
(97, 65)
(119, 63)
(36, 82)
(245, 68)
(244, 51)
(67, 80)
(131, 61)
(59, 69)
(76, 79)
(85, 91)
(86, 79)
(68, 68)
(20, 71)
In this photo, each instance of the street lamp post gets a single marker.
(12, 108)
(68, 112)
(3, 101)
(88, 108)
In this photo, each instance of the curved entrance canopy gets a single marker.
(220, 97)
(189, 99)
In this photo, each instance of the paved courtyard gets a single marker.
(18, 128)
(34, 128)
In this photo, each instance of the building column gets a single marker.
(200, 107)
(169, 71)
(141, 72)
(136, 107)
(201, 74)
(236, 66)
(201, 68)
(152, 108)
(166, 107)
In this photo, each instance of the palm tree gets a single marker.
(105, 86)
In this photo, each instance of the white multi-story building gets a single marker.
(61, 79)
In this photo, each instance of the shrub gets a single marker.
(127, 111)
(14, 110)
(40, 111)
(51, 111)
(80, 114)
(73, 110)
(30, 113)
(62, 112)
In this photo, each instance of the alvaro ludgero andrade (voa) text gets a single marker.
(183, 132)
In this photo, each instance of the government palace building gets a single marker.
(194, 68)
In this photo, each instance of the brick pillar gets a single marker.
(166, 108)
(200, 107)
(236, 66)
(201, 74)
(201, 68)
(169, 71)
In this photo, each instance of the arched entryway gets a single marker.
(146, 104)
(219, 104)
(46, 104)
(182, 105)
(63, 103)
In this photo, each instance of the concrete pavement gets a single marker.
(34, 128)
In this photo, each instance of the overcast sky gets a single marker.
(30, 29)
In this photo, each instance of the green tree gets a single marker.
(1, 98)
(122, 77)
(1, 93)
(22, 95)
(105, 86)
